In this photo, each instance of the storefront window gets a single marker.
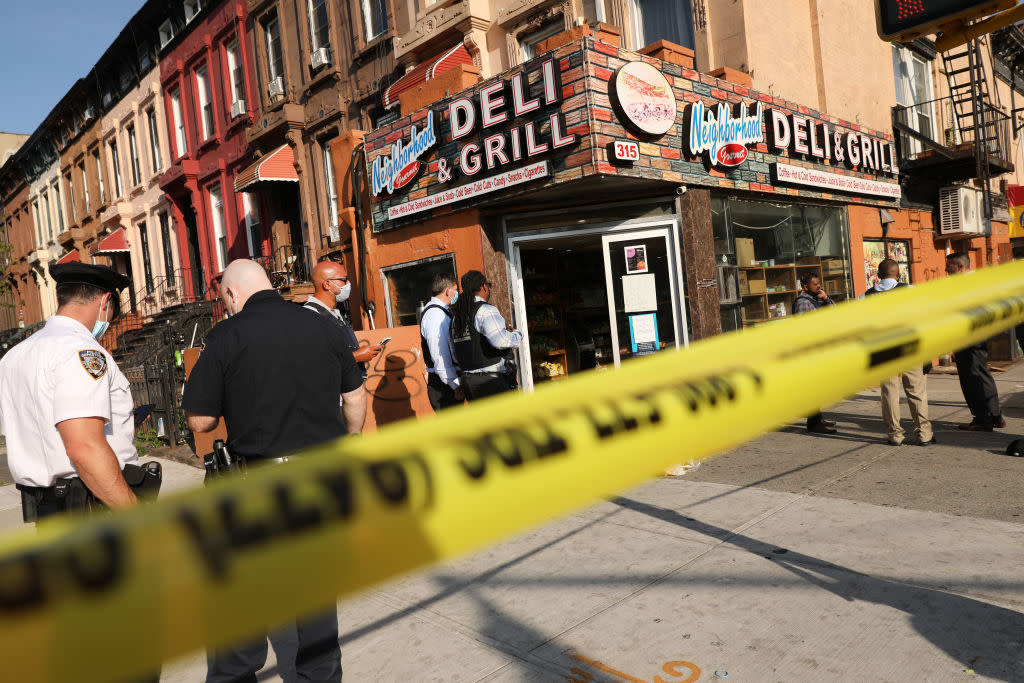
(876, 250)
(407, 286)
(771, 245)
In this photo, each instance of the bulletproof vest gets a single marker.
(875, 291)
(427, 358)
(473, 351)
(346, 331)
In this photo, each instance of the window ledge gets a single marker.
(209, 143)
(367, 47)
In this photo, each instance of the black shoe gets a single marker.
(821, 428)
(828, 423)
(974, 427)
(929, 442)
(999, 422)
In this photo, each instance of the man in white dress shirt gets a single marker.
(443, 388)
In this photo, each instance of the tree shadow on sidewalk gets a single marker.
(981, 636)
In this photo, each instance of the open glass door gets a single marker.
(643, 302)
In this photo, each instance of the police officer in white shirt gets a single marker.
(65, 407)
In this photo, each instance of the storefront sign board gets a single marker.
(722, 135)
(470, 190)
(834, 182)
(816, 139)
(645, 98)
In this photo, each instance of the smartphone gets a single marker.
(383, 341)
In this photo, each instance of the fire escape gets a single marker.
(964, 136)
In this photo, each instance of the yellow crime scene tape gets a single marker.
(111, 597)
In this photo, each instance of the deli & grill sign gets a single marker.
(816, 139)
(495, 105)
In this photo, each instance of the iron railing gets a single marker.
(918, 134)
(289, 266)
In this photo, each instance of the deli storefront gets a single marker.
(621, 205)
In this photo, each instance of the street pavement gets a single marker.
(795, 558)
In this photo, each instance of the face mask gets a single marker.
(343, 293)
(455, 297)
(101, 325)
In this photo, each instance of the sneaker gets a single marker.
(929, 442)
(894, 443)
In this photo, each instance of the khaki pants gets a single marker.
(915, 386)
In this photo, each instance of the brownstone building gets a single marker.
(320, 66)
(19, 231)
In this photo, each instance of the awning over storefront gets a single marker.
(114, 243)
(277, 165)
(69, 257)
(430, 69)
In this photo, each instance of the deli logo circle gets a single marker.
(732, 154)
(405, 176)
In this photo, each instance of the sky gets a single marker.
(45, 47)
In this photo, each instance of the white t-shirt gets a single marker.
(57, 374)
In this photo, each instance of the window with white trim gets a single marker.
(99, 178)
(115, 166)
(205, 101)
(319, 27)
(913, 78)
(49, 216)
(219, 236)
(654, 20)
(166, 31)
(147, 264)
(332, 188)
(235, 83)
(71, 196)
(154, 140)
(528, 43)
(59, 207)
(85, 187)
(192, 8)
(165, 236)
(275, 59)
(252, 224)
(133, 156)
(375, 18)
(180, 142)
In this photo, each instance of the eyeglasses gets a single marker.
(340, 279)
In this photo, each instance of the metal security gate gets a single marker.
(156, 383)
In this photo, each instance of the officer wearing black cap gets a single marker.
(65, 407)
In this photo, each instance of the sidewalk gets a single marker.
(795, 558)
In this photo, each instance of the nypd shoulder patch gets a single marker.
(94, 362)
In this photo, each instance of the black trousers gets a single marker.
(977, 384)
(440, 394)
(481, 385)
(317, 658)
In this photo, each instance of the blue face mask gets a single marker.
(455, 297)
(100, 327)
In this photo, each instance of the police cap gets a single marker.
(75, 273)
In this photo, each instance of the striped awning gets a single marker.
(72, 255)
(114, 243)
(430, 69)
(277, 165)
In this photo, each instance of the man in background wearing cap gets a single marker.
(65, 407)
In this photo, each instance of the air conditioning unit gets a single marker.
(276, 87)
(237, 108)
(90, 113)
(960, 210)
(319, 58)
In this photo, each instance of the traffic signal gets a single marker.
(909, 19)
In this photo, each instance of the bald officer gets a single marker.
(65, 407)
(274, 372)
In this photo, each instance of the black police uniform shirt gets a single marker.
(274, 372)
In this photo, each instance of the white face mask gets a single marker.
(343, 293)
(101, 325)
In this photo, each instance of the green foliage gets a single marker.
(147, 440)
